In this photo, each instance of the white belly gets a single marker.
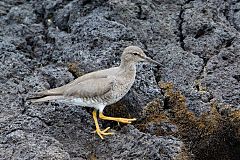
(85, 103)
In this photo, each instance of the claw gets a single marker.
(105, 130)
(103, 133)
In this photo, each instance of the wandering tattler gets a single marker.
(100, 88)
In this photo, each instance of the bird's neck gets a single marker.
(128, 67)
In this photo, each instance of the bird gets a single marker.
(100, 88)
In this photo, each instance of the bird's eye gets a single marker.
(135, 53)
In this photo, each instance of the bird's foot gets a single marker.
(103, 133)
(122, 120)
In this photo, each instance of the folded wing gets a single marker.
(90, 87)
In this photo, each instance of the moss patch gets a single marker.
(213, 135)
(74, 69)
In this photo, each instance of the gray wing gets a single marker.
(93, 76)
(90, 87)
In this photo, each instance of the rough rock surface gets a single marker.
(196, 41)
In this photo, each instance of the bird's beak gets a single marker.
(152, 61)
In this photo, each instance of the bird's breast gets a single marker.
(120, 89)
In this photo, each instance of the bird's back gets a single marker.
(104, 86)
(95, 76)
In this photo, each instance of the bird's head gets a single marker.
(136, 54)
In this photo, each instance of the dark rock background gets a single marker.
(45, 44)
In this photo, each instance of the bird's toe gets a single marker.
(103, 132)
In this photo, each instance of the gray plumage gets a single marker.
(100, 88)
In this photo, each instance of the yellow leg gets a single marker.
(98, 131)
(122, 120)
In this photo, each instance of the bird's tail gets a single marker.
(45, 98)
